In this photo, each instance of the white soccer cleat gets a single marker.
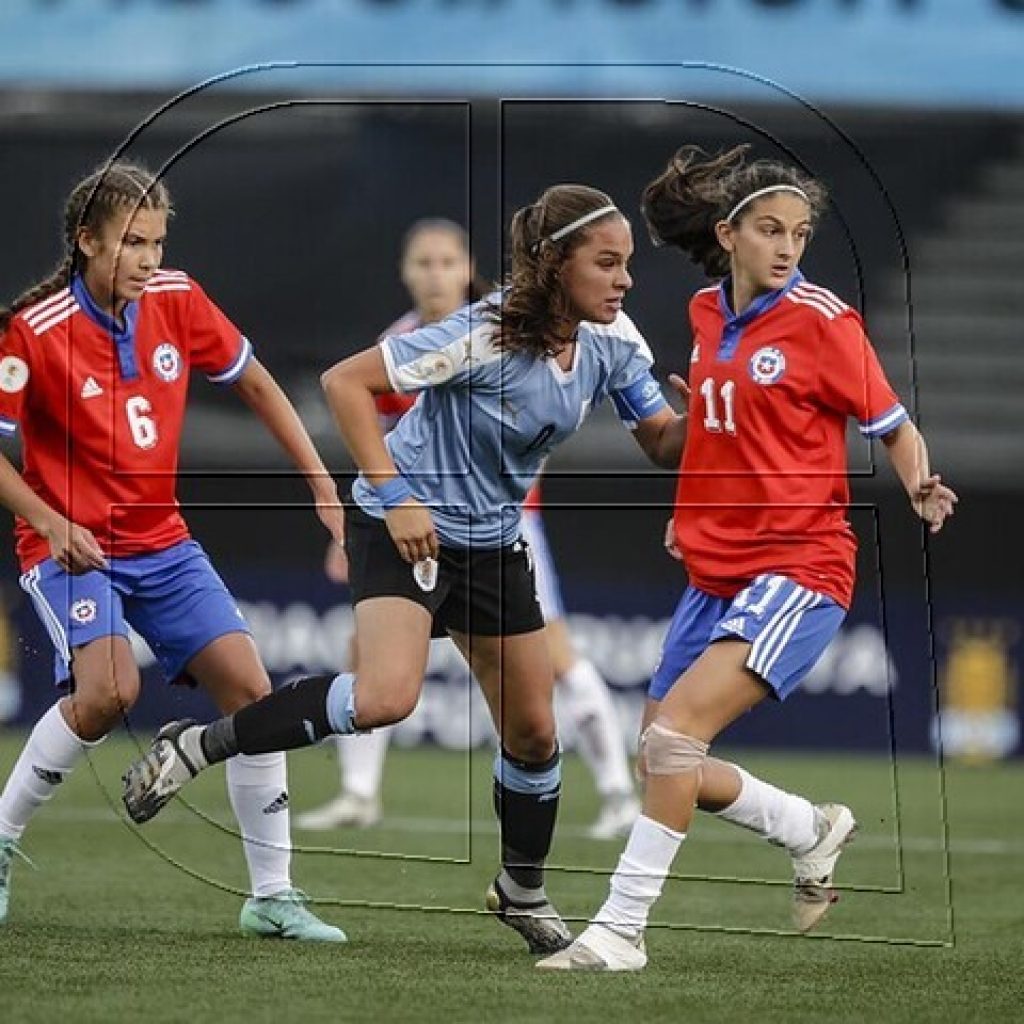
(599, 949)
(347, 810)
(616, 818)
(152, 780)
(813, 893)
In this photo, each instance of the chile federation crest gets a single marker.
(767, 365)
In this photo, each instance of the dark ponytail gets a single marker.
(696, 191)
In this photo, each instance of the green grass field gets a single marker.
(125, 924)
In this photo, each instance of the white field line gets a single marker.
(453, 826)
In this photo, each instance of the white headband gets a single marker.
(558, 235)
(763, 192)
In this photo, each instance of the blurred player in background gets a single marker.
(94, 368)
(581, 695)
(437, 270)
(778, 366)
(434, 536)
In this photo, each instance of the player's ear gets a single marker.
(86, 243)
(723, 232)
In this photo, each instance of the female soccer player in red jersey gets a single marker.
(437, 270)
(94, 369)
(778, 366)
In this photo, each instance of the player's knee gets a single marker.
(377, 705)
(96, 714)
(249, 692)
(665, 751)
(530, 740)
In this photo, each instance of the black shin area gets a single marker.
(291, 717)
(526, 802)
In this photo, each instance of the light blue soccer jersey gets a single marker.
(475, 440)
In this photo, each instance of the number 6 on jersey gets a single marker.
(143, 426)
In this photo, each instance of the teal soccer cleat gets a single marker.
(284, 916)
(8, 851)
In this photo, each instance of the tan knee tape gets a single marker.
(667, 752)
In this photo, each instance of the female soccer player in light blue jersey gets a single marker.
(434, 537)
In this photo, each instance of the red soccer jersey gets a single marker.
(101, 407)
(763, 481)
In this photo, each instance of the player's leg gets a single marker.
(83, 618)
(515, 676)
(298, 714)
(582, 695)
(230, 671)
(494, 618)
(393, 623)
(181, 607)
(711, 694)
(789, 628)
(764, 644)
(361, 763)
(733, 794)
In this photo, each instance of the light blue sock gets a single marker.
(341, 704)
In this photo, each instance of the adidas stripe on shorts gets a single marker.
(787, 625)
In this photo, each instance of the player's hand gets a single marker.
(682, 388)
(329, 508)
(670, 541)
(73, 547)
(336, 563)
(934, 502)
(412, 529)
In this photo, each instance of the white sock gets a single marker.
(784, 819)
(46, 759)
(362, 762)
(639, 876)
(258, 789)
(585, 697)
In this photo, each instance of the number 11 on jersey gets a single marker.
(727, 393)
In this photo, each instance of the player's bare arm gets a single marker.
(663, 435)
(264, 396)
(72, 547)
(349, 387)
(931, 499)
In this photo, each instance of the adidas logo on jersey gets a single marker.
(734, 625)
(91, 389)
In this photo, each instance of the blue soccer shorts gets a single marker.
(787, 626)
(173, 599)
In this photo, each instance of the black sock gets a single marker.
(291, 717)
(526, 802)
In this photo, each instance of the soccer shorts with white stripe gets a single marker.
(787, 626)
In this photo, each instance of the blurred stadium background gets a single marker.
(294, 183)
